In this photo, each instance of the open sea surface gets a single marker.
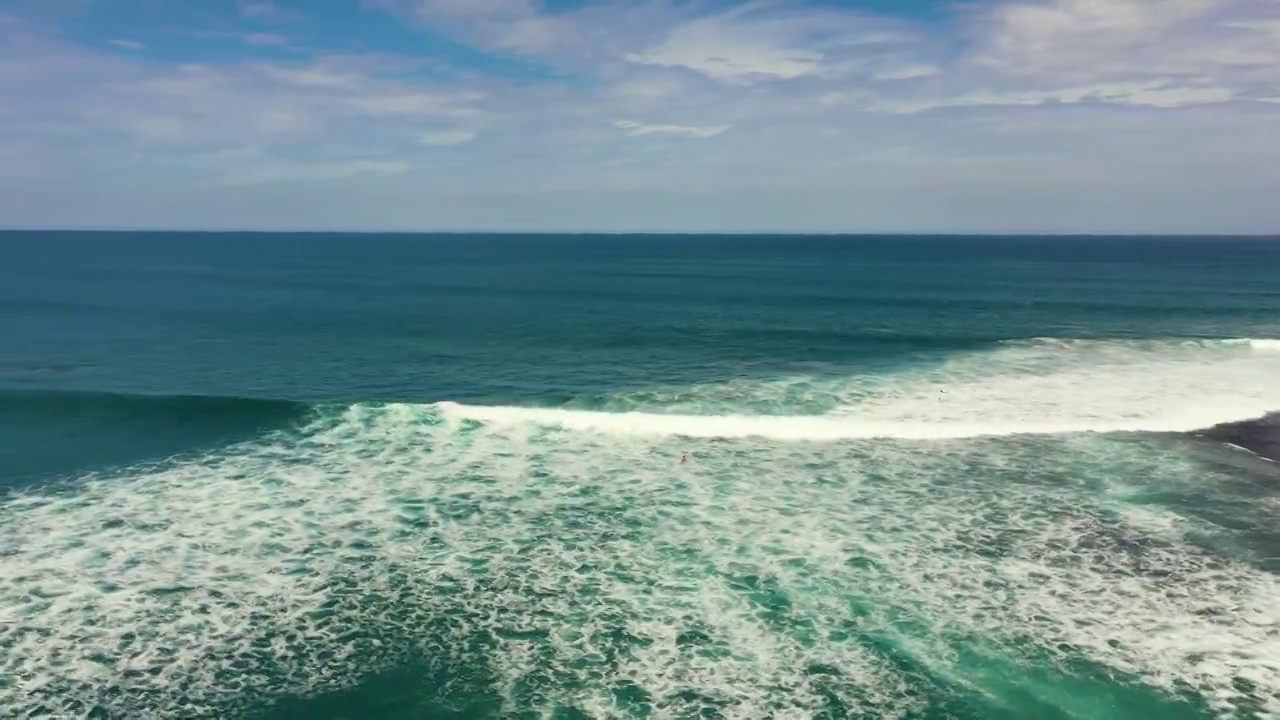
(326, 476)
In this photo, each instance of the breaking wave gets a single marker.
(1041, 386)
(559, 560)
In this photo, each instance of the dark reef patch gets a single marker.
(1261, 436)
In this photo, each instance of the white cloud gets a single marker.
(412, 104)
(833, 99)
(265, 11)
(1148, 94)
(475, 7)
(1142, 53)
(151, 107)
(648, 87)
(293, 171)
(736, 48)
(258, 9)
(265, 39)
(1269, 26)
(444, 138)
(534, 35)
(129, 44)
(1095, 40)
(312, 77)
(906, 72)
(729, 59)
(1171, 97)
(1016, 110)
(768, 41)
(507, 25)
(635, 128)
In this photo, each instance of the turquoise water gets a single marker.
(341, 476)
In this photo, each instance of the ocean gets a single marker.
(331, 476)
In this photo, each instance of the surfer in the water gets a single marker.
(684, 459)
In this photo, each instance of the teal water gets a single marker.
(346, 476)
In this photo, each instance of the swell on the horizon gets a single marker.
(125, 406)
(60, 434)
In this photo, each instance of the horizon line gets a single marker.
(647, 233)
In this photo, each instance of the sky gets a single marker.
(1008, 116)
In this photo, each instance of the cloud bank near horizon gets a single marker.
(649, 115)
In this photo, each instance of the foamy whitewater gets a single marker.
(1025, 388)
(1033, 528)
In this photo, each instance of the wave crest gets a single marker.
(1041, 386)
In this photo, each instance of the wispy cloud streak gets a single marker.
(1009, 113)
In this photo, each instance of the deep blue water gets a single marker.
(329, 475)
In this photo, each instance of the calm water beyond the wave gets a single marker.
(363, 476)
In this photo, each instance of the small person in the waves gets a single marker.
(684, 459)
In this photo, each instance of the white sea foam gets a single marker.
(1035, 387)
(764, 578)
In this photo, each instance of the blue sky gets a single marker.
(642, 115)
